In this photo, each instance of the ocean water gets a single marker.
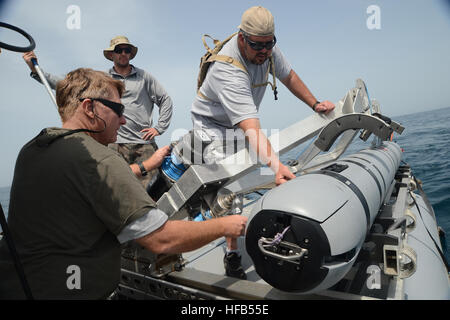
(426, 144)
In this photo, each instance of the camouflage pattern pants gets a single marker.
(134, 153)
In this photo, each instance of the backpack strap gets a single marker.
(201, 95)
(218, 45)
(215, 41)
(227, 59)
(274, 84)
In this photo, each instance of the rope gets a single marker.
(279, 236)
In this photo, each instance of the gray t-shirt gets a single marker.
(230, 91)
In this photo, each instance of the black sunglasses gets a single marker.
(120, 50)
(258, 46)
(118, 108)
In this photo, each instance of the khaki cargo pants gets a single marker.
(134, 153)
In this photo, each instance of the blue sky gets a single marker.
(405, 63)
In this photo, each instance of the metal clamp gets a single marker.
(408, 262)
(294, 253)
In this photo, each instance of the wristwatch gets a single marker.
(315, 105)
(143, 171)
(35, 76)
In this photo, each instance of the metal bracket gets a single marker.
(380, 240)
(335, 128)
(138, 259)
(401, 262)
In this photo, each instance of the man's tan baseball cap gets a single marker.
(257, 21)
(115, 42)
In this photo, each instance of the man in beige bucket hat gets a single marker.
(232, 91)
(116, 41)
(135, 141)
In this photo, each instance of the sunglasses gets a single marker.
(120, 50)
(118, 108)
(258, 46)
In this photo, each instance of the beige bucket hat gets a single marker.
(115, 42)
(257, 21)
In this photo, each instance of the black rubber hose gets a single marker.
(22, 32)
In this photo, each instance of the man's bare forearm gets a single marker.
(299, 89)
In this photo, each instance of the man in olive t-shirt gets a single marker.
(71, 211)
(74, 202)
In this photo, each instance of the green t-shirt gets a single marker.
(70, 198)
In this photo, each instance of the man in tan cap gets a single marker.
(135, 141)
(229, 98)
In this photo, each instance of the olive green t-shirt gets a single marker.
(70, 198)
